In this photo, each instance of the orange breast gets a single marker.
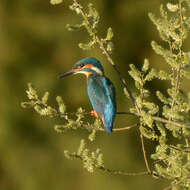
(88, 66)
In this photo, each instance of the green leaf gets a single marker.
(92, 136)
(76, 7)
(27, 104)
(167, 28)
(172, 7)
(162, 137)
(145, 65)
(67, 154)
(162, 75)
(94, 15)
(74, 27)
(60, 128)
(31, 92)
(136, 74)
(45, 97)
(109, 34)
(152, 108)
(56, 2)
(151, 75)
(87, 46)
(162, 98)
(110, 47)
(81, 147)
(147, 119)
(148, 133)
(62, 107)
(168, 56)
(99, 159)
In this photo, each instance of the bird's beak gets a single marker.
(72, 71)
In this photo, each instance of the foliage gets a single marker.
(41, 107)
(90, 160)
(55, 2)
(167, 123)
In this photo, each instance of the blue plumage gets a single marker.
(90, 60)
(101, 93)
(100, 90)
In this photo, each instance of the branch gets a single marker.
(180, 55)
(111, 171)
(118, 172)
(158, 119)
(144, 154)
(125, 128)
(115, 130)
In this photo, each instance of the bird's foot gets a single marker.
(94, 113)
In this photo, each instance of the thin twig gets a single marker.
(111, 171)
(180, 54)
(158, 119)
(125, 128)
(187, 144)
(155, 118)
(169, 122)
(114, 130)
(127, 113)
(144, 154)
(118, 172)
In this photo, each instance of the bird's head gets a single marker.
(85, 66)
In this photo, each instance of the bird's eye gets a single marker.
(79, 66)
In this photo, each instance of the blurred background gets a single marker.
(35, 47)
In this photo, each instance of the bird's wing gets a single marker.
(110, 90)
(100, 91)
(97, 93)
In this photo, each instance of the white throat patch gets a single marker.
(97, 70)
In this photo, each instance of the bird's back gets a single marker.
(101, 93)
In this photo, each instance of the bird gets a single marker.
(100, 89)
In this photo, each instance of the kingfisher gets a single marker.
(100, 89)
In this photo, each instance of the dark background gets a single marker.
(35, 47)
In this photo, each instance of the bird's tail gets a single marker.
(107, 127)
